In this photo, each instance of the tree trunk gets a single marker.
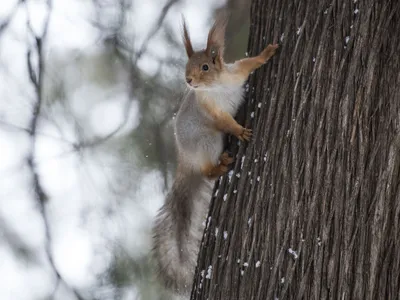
(312, 210)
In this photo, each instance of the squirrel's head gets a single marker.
(204, 67)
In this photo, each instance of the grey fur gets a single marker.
(178, 230)
(179, 224)
(200, 125)
(197, 141)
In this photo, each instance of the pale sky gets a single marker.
(74, 186)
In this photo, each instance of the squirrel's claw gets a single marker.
(226, 159)
(245, 135)
(223, 169)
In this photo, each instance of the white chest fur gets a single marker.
(227, 97)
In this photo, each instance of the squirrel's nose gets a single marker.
(188, 80)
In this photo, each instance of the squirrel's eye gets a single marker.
(204, 67)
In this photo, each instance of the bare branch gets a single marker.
(110, 135)
(7, 21)
(28, 130)
(13, 240)
(40, 193)
(155, 29)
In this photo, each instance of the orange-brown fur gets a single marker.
(212, 55)
(206, 113)
(194, 71)
(224, 122)
(248, 65)
(214, 171)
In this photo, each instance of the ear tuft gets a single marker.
(216, 37)
(186, 39)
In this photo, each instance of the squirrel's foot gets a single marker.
(245, 134)
(226, 159)
(214, 171)
(268, 52)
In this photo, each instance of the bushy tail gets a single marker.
(178, 230)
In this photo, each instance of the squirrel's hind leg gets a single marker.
(213, 171)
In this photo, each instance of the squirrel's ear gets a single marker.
(216, 38)
(186, 39)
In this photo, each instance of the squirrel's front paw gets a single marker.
(245, 135)
(268, 52)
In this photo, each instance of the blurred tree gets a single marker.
(313, 205)
(237, 30)
(61, 90)
(109, 73)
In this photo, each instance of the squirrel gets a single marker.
(205, 115)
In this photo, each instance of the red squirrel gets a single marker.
(206, 114)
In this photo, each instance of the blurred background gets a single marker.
(88, 94)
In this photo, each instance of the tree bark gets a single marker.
(312, 209)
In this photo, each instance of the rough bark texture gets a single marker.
(312, 210)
